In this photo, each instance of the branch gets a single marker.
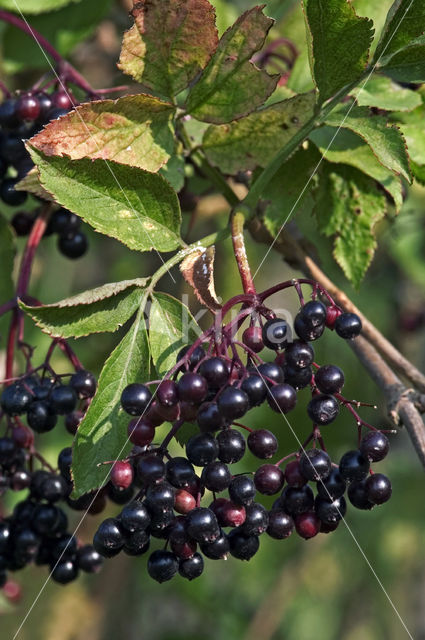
(400, 401)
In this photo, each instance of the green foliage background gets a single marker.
(322, 589)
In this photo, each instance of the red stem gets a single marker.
(66, 71)
(34, 239)
(24, 26)
(10, 350)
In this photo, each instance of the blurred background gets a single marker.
(327, 588)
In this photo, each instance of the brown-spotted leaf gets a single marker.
(169, 44)
(134, 130)
(251, 141)
(231, 86)
(198, 270)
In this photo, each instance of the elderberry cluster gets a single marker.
(22, 117)
(213, 388)
(43, 399)
(37, 529)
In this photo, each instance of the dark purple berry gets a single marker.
(62, 399)
(28, 107)
(231, 446)
(330, 511)
(378, 488)
(109, 539)
(256, 390)
(73, 245)
(323, 409)
(280, 526)
(276, 333)
(307, 525)
(192, 567)
(242, 490)
(271, 372)
(179, 472)
(202, 449)
(135, 399)
(348, 325)
(297, 499)
(358, 497)
(84, 383)
(269, 479)
(202, 525)
(192, 387)
(315, 464)
(299, 354)
(162, 565)
(252, 337)
(243, 546)
(262, 443)
(216, 476)
(333, 486)
(209, 417)
(215, 371)
(233, 403)
(354, 466)
(329, 379)
(282, 398)
(374, 446)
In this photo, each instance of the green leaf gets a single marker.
(253, 140)
(7, 289)
(173, 171)
(339, 44)
(102, 435)
(231, 86)
(386, 141)
(405, 22)
(97, 310)
(136, 207)
(348, 207)
(31, 183)
(408, 65)
(64, 28)
(289, 194)
(344, 146)
(169, 44)
(418, 172)
(134, 130)
(29, 6)
(171, 326)
(382, 93)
